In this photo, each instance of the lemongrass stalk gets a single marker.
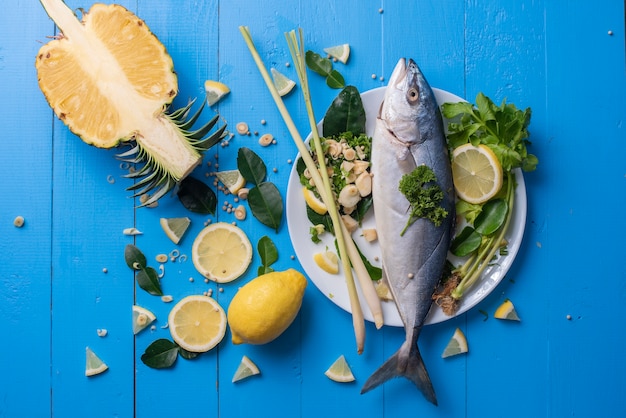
(327, 198)
(365, 280)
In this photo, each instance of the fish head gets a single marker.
(407, 99)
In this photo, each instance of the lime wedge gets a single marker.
(339, 371)
(456, 345)
(215, 91)
(339, 52)
(231, 179)
(175, 228)
(141, 318)
(94, 365)
(246, 369)
(283, 83)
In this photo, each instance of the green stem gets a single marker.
(477, 266)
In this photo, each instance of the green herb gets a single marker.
(196, 196)
(268, 253)
(264, 200)
(161, 354)
(324, 67)
(147, 277)
(424, 195)
(316, 231)
(504, 129)
(345, 114)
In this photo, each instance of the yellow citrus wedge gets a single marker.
(314, 202)
(175, 228)
(231, 179)
(339, 52)
(456, 345)
(141, 318)
(94, 365)
(476, 172)
(197, 323)
(246, 369)
(340, 371)
(283, 83)
(221, 252)
(215, 91)
(327, 261)
(507, 311)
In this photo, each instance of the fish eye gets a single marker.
(412, 95)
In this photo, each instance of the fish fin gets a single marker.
(415, 371)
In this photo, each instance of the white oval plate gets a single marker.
(334, 286)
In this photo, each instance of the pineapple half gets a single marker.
(110, 80)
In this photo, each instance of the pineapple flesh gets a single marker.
(110, 80)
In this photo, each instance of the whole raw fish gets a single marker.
(409, 132)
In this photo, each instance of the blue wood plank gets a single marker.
(26, 191)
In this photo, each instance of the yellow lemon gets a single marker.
(245, 369)
(94, 365)
(221, 252)
(476, 172)
(339, 52)
(456, 345)
(231, 179)
(197, 323)
(506, 311)
(327, 261)
(264, 308)
(314, 202)
(175, 228)
(215, 91)
(283, 83)
(141, 318)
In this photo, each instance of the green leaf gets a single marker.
(264, 270)
(468, 210)
(134, 257)
(335, 80)
(267, 251)
(317, 63)
(345, 114)
(148, 280)
(251, 166)
(161, 354)
(187, 355)
(491, 217)
(317, 219)
(466, 242)
(376, 273)
(362, 208)
(196, 196)
(452, 110)
(266, 204)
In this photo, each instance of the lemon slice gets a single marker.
(340, 371)
(314, 202)
(339, 52)
(507, 311)
(221, 252)
(327, 261)
(246, 369)
(197, 323)
(94, 365)
(476, 172)
(141, 318)
(283, 83)
(456, 345)
(175, 228)
(231, 179)
(215, 91)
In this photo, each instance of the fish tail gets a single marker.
(408, 364)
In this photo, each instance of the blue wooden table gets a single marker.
(63, 275)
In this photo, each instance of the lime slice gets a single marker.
(283, 83)
(94, 365)
(327, 261)
(507, 311)
(141, 318)
(215, 91)
(456, 345)
(231, 179)
(339, 52)
(339, 371)
(246, 369)
(175, 228)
